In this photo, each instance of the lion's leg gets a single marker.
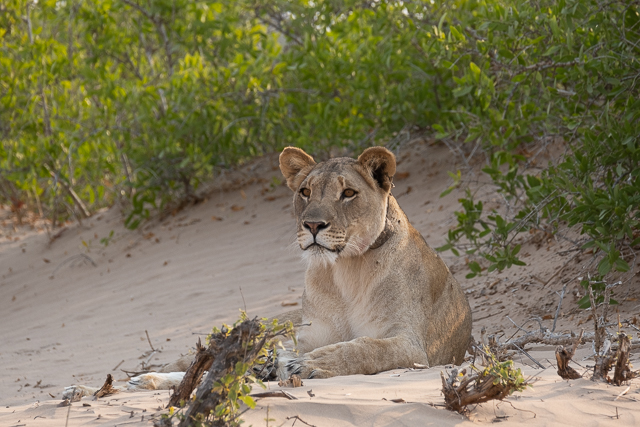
(170, 375)
(362, 355)
(148, 381)
(155, 381)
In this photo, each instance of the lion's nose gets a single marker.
(315, 227)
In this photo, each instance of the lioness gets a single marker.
(376, 296)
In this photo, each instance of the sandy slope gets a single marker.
(74, 310)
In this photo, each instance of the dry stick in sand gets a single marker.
(540, 337)
(243, 343)
(149, 340)
(297, 418)
(200, 364)
(68, 412)
(276, 393)
(226, 349)
(564, 356)
(564, 288)
(603, 362)
(106, 389)
(470, 389)
(293, 381)
(622, 372)
(145, 364)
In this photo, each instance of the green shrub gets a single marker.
(140, 102)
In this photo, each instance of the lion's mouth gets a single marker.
(318, 246)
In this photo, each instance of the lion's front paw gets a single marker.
(266, 367)
(305, 367)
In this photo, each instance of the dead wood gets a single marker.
(602, 345)
(297, 418)
(293, 381)
(622, 372)
(564, 356)
(471, 389)
(226, 349)
(106, 389)
(539, 337)
(276, 393)
(192, 377)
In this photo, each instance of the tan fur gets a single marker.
(374, 303)
(370, 309)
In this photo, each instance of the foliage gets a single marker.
(497, 380)
(138, 102)
(234, 354)
(557, 71)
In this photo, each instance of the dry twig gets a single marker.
(106, 389)
(297, 418)
(496, 381)
(293, 381)
(564, 356)
(227, 348)
(622, 372)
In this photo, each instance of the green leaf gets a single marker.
(584, 302)
(475, 70)
(462, 91)
(551, 50)
(475, 267)
(604, 267)
(248, 400)
(622, 265)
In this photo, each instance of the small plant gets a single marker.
(105, 240)
(275, 183)
(495, 381)
(595, 288)
(487, 236)
(229, 356)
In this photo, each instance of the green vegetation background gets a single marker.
(138, 101)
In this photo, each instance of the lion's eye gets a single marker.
(305, 192)
(348, 193)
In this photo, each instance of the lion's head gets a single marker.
(341, 204)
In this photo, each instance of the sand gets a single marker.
(76, 309)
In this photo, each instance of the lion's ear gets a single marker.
(381, 165)
(293, 161)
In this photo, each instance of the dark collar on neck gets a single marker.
(387, 232)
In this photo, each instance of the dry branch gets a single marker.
(470, 390)
(107, 388)
(293, 381)
(564, 356)
(276, 393)
(226, 350)
(192, 377)
(622, 372)
(497, 381)
(239, 346)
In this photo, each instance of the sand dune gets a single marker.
(76, 309)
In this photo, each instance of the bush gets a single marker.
(140, 102)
